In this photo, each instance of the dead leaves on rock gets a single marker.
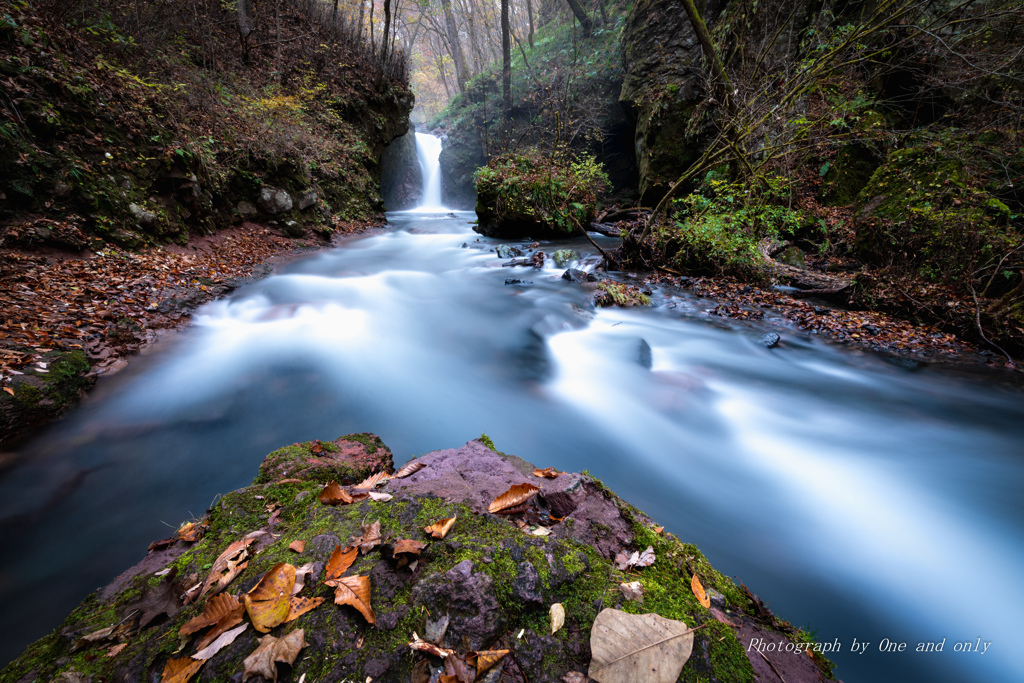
(229, 565)
(373, 481)
(369, 540)
(441, 528)
(271, 651)
(638, 647)
(698, 591)
(485, 659)
(408, 469)
(222, 611)
(557, 613)
(513, 498)
(548, 473)
(334, 494)
(180, 670)
(297, 546)
(217, 644)
(354, 591)
(634, 590)
(340, 561)
(272, 601)
(624, 562)
(164, 598)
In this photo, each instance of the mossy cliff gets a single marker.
(493, 575)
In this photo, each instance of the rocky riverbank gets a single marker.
(469, 554)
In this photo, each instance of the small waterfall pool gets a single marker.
(864, 500)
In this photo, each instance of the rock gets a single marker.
(246, 209)
(770, 340)
(307, 200)
(527, 585)
(563, 256)
(791, 256)
(643, 354)
(574, 275)
(61, 189)
(508, 251)
(274, 201)
(145, 218)
(347, 459)
(517, 281)
(292, 229)
(468, 598)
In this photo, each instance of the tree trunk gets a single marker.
(455, 45)
(529, 13)
(506, 60)
(243, 12)
(387, 33)
(278, 42)
(581, 16)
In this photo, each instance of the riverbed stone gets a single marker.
(347, 459)
(307, 199)
(274, 200)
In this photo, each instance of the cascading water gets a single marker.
(856, 497)
(428, 151)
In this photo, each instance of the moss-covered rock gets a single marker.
(494, 575)
(55, 382)
(348, 460)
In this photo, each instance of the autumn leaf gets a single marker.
(226, 567)
(435, 630)
(299, 606)
(430, 648)
(297, 546)
(333, 494)
(440, 529)
(370, 538)
(515, 496)
(301, 574)
(190, 532)
(180, 670)
(379, 496)
(548, 473)
(409, 468)
(720, 616)
(164, 598)
(219, 643)
(485, 659)
(354, 591)
(271, 651)
(268, 603)
(698, 590)
(340, 561)
(216, 608)
(557, 617)
(408, 546)
(634, 590)
(638, 647)
(637, 559)
(373, 481)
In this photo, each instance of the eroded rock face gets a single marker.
(468, 598)
(401, 179)
(348, 460)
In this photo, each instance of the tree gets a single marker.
(581, 16)
(506, 60)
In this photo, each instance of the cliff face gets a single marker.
(401, 183)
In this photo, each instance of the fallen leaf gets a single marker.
(574, 677)
(542, 531)
(409, 468)
(485, 659)
(9, 390)
(162, 543)
(637, 559)
(515, 496)
(379, 496)
(268, 603)
(216, 608)
(180, 670)
(297, 546)
(436, 629)
(333, 494)
(659, 529)
(698, 590)
(340, 561)
(720, 616)
(226, 567)
(114, 651)
(638, 647)
(458, 670)
(299, 606)
(408, 547)
(354, 591)
(634, 590)
(301, 574)
(440, 529)
(373, 481)
(370, 538)
(219, 643)
(548, 473)
(557, 617)
(431, 649)
(646, 558)
(190, 532)
(164, 598)
(263, 660)
(115, 632)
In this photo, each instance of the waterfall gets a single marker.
(428, 149)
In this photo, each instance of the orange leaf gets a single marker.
(226, 567)
(405, 545)
(340, 561)
(9, 390)
(698, 590)
(548, 473)
(354, 591)
(299, 606)
(488, 658)
(216, 608)
(297, 546)
(517, 495)
(441, 529)
(373, 481)
(408, 469)
(268, 603)
(333, 494)
(180, 670)
(190, 533)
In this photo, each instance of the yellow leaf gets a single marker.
(516, 495)
(440, 529)
(557, 617)
(180, 670)
(698, 590)
(354, 591)
(268, 603)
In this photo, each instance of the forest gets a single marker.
(736, 286)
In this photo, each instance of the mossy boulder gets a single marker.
(47, 388)
(348, 460)
(494, 575)
(848, 174)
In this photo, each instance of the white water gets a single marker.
(428, 150)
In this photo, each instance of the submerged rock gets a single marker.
(493, 577)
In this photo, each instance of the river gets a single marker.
(857, 498)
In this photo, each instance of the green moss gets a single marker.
(486, 440)
(620, 294)
(371, 441)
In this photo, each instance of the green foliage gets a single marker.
(531, 187)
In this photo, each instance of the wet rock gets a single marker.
(307, 200)
(644, 355)
(791, 256)
(347, 459)
(508, 251)
(563, 256)
(246, 209)
(574, 275)
(274, 201)
(145, 218)
(527, 585)
(517, 281)
(770, 340)
(468, 597)
(292, 229)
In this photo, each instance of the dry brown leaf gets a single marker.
(557, 617)
(370, 538)
(407, 469)
(720, 616)
(204, 652)
(548, 473)
(268, 603)
(408, 547)
(216, 608)
(634, 590)
(458, 670)
(431, 649)
(180, 670)
(301, 574)
(333, 494)
(299, 606)
(485, 659)
(637, 559)
(354, 591)
(373, 481)
(698, 590)
(340, 561)
(659, 529)
(379, 496)
(440, 529)
(297, 546)
(515, 496)
(638, 647)
(263, 660)
(116, 650)
(226, 567)
(190, 532)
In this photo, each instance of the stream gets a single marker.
(857, 498)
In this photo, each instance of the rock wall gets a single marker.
(401, 182)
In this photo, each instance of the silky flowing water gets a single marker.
(857, 498)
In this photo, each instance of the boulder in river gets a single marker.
(494, 574)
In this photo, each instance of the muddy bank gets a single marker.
(493, 576)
